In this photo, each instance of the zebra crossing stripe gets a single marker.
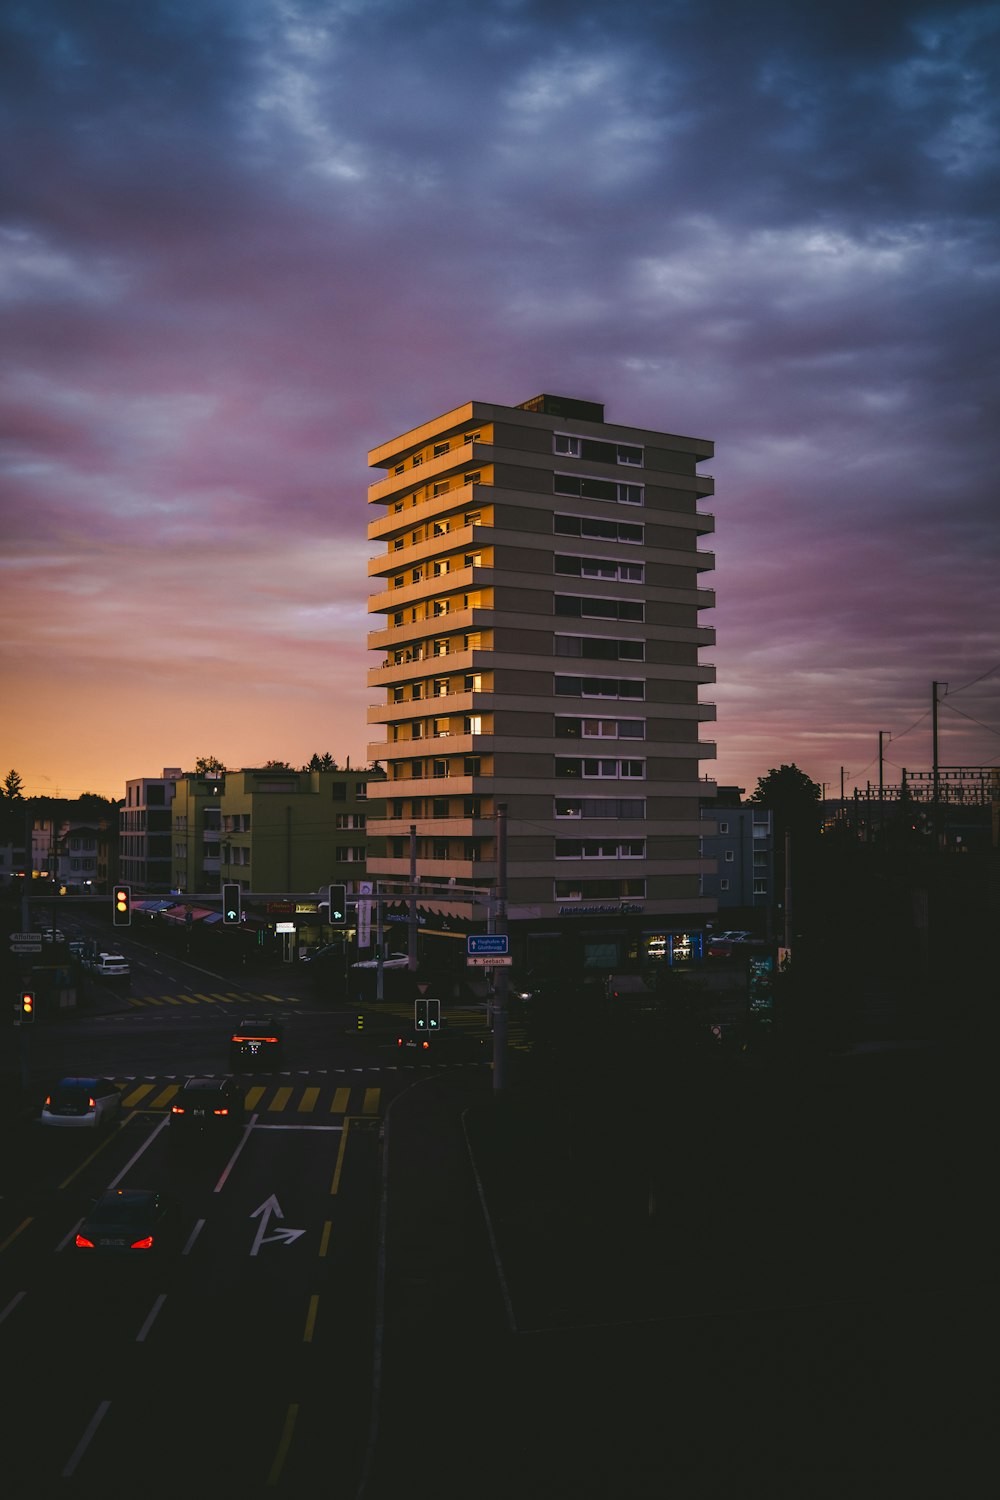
(137, 1095)
(308, 1100)
(341, 1102)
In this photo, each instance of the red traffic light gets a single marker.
(122, 906)
(27, 1005)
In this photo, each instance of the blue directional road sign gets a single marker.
(486, 944)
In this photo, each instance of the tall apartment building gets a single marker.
(145, 860)
(540, 649)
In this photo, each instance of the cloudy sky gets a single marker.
(244, 241)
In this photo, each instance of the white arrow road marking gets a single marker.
(271, 1207)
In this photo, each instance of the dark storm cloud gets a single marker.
(242, 241)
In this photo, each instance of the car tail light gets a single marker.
(146, 1243)
(82, 1242)
(177, 1109)
(91, 1103)
(425, 1044)
(399, 1041)
(48, 1101)
(220, 1111)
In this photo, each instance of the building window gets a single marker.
(439, 768)
(441, 727)
(472, 724)
(723, 827)
(730, 857)
(472, 765)
(723, 885)
(440, 448)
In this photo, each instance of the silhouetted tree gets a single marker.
(205, 764)
(12, 787)
(324, 762)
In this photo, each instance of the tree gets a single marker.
(12, 785)
(205, 765)
(790, 794)
(276, 765)
(324, 762)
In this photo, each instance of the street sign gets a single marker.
(25, 947)
(486, 943)
(489, 961)
(26, 937)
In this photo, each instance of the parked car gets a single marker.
(127, 1221)
(256, 1042)
(207, 1106)
(86, 1103)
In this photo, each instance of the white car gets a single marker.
(86, 1103)
(111, 966)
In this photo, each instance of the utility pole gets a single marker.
(500, 977)
(883, 735)
(788, 888)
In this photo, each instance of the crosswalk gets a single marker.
(214, 998)
(276, 1097)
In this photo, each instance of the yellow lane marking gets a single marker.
(163, 1099)
(341, 1101)
(335, 1184)
(308, 1100)
(370, 1106)
(307, 1336)
(25, 1222)
(280, 1099)
(284, 1444)
(137, 1095)
(324, 1239)
(254, 1096)
(200, 995)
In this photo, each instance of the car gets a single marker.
(86, 1103)
(77, 947)
(207, 1106)
(110, 966)
(413, 1042)
(127, 1221)
(256, 1042)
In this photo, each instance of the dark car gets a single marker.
(256, 1042)
(207, 1106)
(127, 1221)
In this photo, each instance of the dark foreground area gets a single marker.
(739, 1279)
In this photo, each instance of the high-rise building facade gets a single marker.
(539, 652)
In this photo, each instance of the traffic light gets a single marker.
(427, 1015)
(338, 906)
(231, 916)
(122, 906)
(27, 1006)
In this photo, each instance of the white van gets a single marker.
(111, 966)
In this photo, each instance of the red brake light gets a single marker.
(48, 1101)
(399, 1041)
(220, 1111)
(177, 1109)
(425, 1044)
(146, 1243)
(82, 1242)
(91, 1102)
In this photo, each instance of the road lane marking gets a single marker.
(164, 1097)
(335, 1184)
(280, 1099)
(308, 1100)
(140, 1337)
(307, 1336)
(137, 1095)
(284, 1444)
(14, 1234)
(341, 1102)
(324, 1241)
(370, 1106)
(18, 1298)
(254, 1096)
(84, 1442)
